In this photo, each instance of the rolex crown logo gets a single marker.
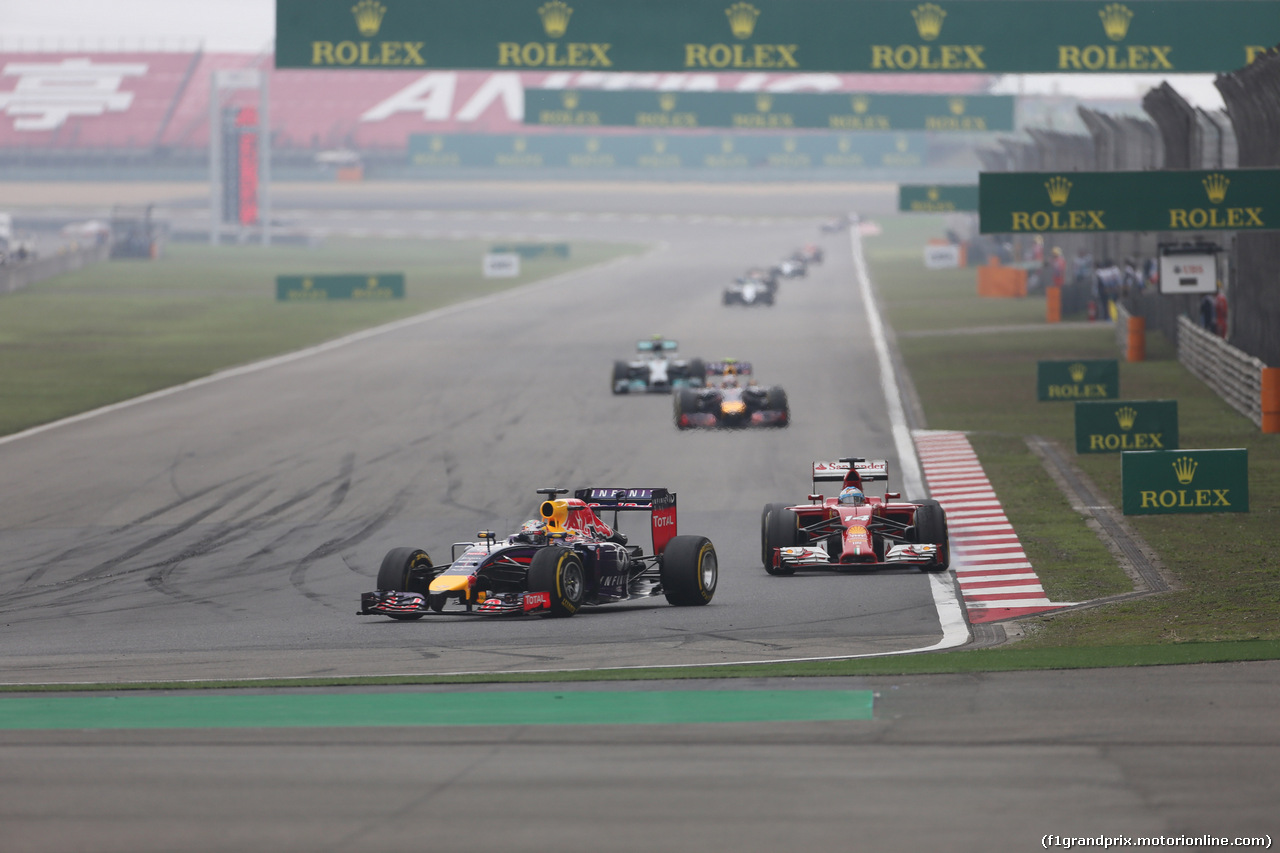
(789, 146)
(902, 144)
(518, 144)
(555, 18)
(928, 20)
(1126, 415)
(369, 17)
(1059, 188)
(861, 103)
(437, 143)
(726, 145)
(932, 193)
(742, 19)
(956, 106)
(764, 102)
(659, 145)
(845, 145)
(593, 145)
(1115, 20)
(1185, 469)
(667, 101)
(1078, 372)
(570, 100)
(1216, 186)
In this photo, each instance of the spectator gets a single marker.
(1206, 311)
(1059, 267)
(1083, 267)
(1220, 312)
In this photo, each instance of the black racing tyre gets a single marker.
(559, 571)
(402, 571)
(931, 529)
(685, 402)
(777, 402)
(697, 372)
(621, 374)
(764, 525)
(689, 571)
(728, 300)
(781, 529)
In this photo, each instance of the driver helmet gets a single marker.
(534, 530)
(730, 381)
(852, 496)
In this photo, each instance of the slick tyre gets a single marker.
(689, 571)
(779, 528)
(685, 402)
(621, 377)
(405, 570)
(697, 372)
(777, 401)
(559, 571)
(931, 529)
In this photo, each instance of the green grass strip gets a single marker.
(294, 710)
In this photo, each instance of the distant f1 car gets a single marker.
(731, 399)
(854, 531)
(567, 559)
(749, 290)
(658, 367)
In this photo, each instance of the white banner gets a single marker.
(942, 257)
(1188, 273)
(501, 265)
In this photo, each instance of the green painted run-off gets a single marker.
(496, 708)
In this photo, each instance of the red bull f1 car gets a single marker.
(731, 399)
(854, 531)
(567, 559)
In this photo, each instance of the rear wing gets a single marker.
(863, 470)
(660, 503)
(717, 368)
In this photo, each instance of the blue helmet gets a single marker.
(852, 496)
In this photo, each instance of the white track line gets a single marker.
(955, 628)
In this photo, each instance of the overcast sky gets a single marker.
(249, 26)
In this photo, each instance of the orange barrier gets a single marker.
(351, 173)
(1137, 349)
(1001, 282)
(1053, 304)
(1271, 399)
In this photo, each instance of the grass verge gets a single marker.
(121, 329)
(1227, 565)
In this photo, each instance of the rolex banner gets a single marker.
(1217, 200)
(1112, 427)
(1184, 481)
(767, 110)
(712, 152)
(974, 36)
(318, 288)
(937, 198)
(1081, 379)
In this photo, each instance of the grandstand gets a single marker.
(103, 113)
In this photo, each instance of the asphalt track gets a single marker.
(227, 529)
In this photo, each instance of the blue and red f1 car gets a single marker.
(556, 564)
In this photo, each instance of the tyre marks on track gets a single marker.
(996, 579)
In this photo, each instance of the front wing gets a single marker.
(913, 554)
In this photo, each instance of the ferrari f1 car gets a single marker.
(658, 367)
(731, 399)
(854, 531)
(567, 559)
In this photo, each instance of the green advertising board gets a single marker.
(318, 288)
(1160, 482)
(1082, 379)
(1163, 200)
(937, 198)
(645, 152)
(1113, 427)
(532, 250)
(975, 36)
(767, 110)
